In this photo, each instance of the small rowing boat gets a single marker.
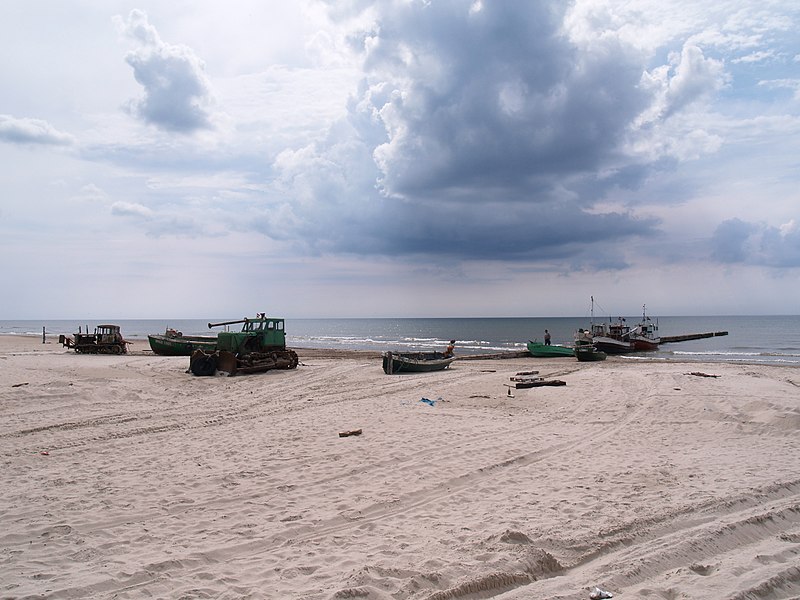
(588, 353)
(174, 343)
(415, 362)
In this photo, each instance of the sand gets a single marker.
(124, 477)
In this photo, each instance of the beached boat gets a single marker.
(612, 338)
(174, 343)
(645, 336)
(584, 347)
(548, 350)
(588, 353)
(415, 362)
(619, 338)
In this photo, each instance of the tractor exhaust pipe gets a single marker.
(210, 325)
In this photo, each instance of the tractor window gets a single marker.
(280, 325)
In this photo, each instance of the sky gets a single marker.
(398, 158)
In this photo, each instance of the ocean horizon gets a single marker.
(771, 339)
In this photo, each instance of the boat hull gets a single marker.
(165, 345)
(612, 346)
(589, 354)
(641, 344)
(415, 362)
(545, 351)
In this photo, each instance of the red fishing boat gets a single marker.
(645, 336)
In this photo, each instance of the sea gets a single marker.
(773, 340)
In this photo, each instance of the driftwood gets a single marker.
(538, 383)
(349, 433)
(700, 374)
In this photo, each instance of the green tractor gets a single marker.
(260, 346)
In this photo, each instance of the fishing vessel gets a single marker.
(645, 336)
(619, 338)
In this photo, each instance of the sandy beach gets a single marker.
(125, 477)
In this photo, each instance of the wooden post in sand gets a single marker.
(43, 335)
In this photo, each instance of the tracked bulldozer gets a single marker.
(106, 339)
(260, 346)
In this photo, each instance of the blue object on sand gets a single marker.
(426, 401)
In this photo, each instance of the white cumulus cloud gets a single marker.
(176, 90)
(31, 131)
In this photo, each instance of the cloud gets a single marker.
(688, 78)
(790, 84)
(462, 106)
(159, 223)
(91, 193)
(755, 57)
(464, 143)
(177, 92)
(737, 241)
(131, 209)
(31, 131)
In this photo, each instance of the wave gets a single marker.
(403, 343)
(728, 353)
(713, 353)
(765, 358)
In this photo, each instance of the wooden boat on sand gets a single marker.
(174, 343)
(415, 362)
(548, 351)
(588, 353)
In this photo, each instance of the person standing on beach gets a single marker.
(546, 337)
(451, 348)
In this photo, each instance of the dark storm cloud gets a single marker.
(475, 134)
(736, 241)
(336, 208)
(730, 239)
(176, 92)
(31, 131)
(498, 97)
(491, 231)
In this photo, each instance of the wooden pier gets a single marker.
(666, 339)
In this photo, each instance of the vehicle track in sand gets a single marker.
(645, 554)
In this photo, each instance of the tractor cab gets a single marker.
(107, 334)
(261, 334)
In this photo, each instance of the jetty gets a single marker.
(666, 339)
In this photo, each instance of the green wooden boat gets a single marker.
(174, 343)
(552, 351)
(415, 362)
(588, 353)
